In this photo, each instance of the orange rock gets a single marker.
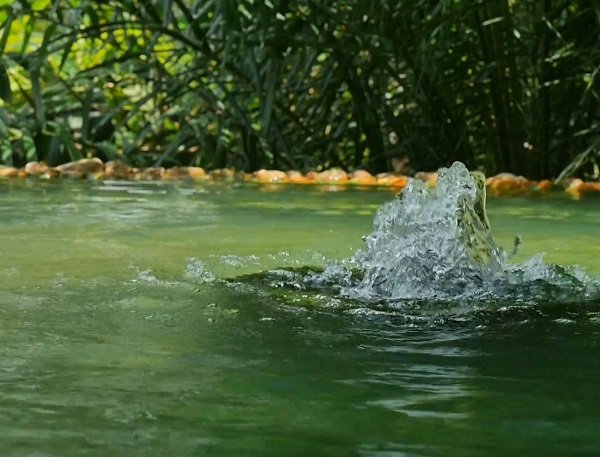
(386, 179)
(223, 173)
(506, 187)
(36, 168)
(401, 181)
(117, 170)
(271, 176)
(397, 182)
(9, 172)
(495, 186)
(508, 184)
(298, 178)
(195, 173)
(82, 167)
(293, 174)
(509, 176)
(590, 187)
(51, 173)
(135, 173)
(361, 174)
(334, 176)
(543, 186)
(248, 177)
(152, 174)
(429, 178)
(577, 186)
(362, 178)
(174, 173)
(594, 186)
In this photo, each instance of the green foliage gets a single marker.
(502, 85)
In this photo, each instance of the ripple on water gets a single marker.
(209, 356)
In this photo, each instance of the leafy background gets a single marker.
(382, 85)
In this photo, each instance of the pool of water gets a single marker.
(124, 332)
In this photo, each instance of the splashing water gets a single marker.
(417, 248)
(422, 249)
(418, 251)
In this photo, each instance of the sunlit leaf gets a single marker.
(6, 30)
(40, 5)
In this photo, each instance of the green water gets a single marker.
(117, 336)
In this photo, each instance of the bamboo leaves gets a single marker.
(497, 84)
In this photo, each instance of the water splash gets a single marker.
(417, 252)
(420, 262)
(417, 248)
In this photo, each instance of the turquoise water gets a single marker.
(124, 332)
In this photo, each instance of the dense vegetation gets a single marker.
(505, 85)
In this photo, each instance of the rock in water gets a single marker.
(82, 167)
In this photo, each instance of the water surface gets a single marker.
(120, 337)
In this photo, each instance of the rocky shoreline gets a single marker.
(503, 184)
